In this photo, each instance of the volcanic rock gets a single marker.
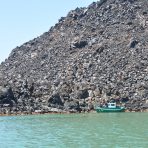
(94, 53)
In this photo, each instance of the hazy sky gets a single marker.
(23, 20)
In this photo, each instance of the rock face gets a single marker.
(91, 56)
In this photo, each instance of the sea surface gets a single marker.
(91, 130)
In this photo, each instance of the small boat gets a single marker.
(111, 107)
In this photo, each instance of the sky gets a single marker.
(23, 20)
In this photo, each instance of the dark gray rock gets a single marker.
(7, 97)
(82, 94)
(72, 105)
(133, 43)
(55, 99)
(80, 44)
(99, 52)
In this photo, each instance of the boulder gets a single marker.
(55, 99)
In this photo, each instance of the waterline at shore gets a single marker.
(64, 112)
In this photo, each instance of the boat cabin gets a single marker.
(111, 105)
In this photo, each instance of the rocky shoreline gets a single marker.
(56, 111)
(62, 112)
(89, 57)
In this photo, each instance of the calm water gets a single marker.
(104, 130)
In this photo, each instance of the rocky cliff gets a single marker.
(92, 55)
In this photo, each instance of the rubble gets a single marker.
(91, 56)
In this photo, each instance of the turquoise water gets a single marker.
(102, 130)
